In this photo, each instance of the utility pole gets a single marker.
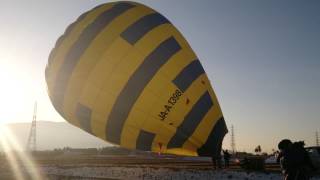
(317, 138)
(233, 141)
(32, 139)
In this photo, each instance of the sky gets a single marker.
(262, 58)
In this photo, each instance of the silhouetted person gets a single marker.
(219, 162)
(216, 161)
(226, 156)
(294, 160)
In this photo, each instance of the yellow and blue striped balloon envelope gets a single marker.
(124, 73)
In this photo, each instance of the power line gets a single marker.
(32, 139)
(317, 138)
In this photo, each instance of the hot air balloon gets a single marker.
(124, 73)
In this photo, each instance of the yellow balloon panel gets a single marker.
(125, 74)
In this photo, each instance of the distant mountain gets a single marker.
(51, 135)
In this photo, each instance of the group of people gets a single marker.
(216, 160)
(294, 160)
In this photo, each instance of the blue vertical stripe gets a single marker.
(79, 47)
(135, 85)
(83, 114)
(189, 74)
(137, 30)
(212, 146)
(191, 121)
(144, 140)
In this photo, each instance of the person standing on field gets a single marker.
(226, 156)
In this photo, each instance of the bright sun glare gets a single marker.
(17, 91)
(16, 156)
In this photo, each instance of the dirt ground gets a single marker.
(132, 167)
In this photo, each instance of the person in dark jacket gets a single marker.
(226, 156)
(216, 161)
(294, 160)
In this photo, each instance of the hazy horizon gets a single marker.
(48, 138)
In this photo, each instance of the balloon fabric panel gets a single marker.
(125, 74)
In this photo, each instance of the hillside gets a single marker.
(51, 135)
